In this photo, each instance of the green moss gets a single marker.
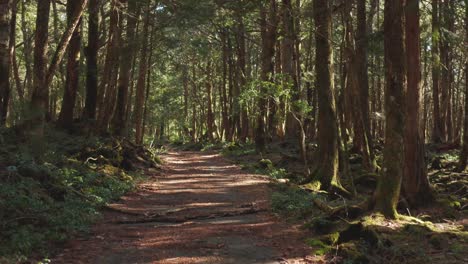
(352, 253)
(320, 247)
(313, 186)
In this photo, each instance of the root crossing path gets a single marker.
(199, 209)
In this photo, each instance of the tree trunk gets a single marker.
(128, 52)
(327, 155)
(73, 70)
(106, 91)
(40, 95)
(388, 188)
(268, 34)
(92, 61)
(209, 102)
(140, 86)
(464, 153)
(288, 65)
(415, 185)
(437, 122)
(5, 15)
(363, 85)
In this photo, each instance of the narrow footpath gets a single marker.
(200, 209)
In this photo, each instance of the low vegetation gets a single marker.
(42, 204)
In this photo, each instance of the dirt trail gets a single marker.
(200, 209)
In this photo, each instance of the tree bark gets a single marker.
(363, 85)
(92, 61)
(437, 122)
(415, 185)
(40, 95)
(5, 16)
(288, 65)
(73, 70)
(388, 188)
(464, 152)
(268, 34)
(327, 172)
(140, 86)
(128, 52)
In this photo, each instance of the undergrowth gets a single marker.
(44, 203)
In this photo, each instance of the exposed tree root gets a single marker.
(165, 218)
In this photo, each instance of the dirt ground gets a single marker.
(199, 209)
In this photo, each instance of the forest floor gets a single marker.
(200, 208)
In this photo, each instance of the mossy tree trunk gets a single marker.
(388, 188)
(327, 171)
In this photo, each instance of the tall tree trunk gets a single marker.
(106, 91)
(128, 52)
(415, 185)
(27, 49)
(464, 153)
(388, 188)
(268, 34)
(288, 65)
(327, 155)
(363, 83)
(243, 126)
(5, 16)
(140, 86)
(224, 94)
(40, 95)
(73, 70)
(92, 61)
(437, 122)
(209, 96)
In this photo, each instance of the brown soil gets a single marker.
(200, 209)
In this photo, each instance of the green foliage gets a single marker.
(46, 203)
(292, 202)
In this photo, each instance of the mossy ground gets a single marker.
(44, 202)
(435, 234)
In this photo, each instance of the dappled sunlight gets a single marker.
(199, 211)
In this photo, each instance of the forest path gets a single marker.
(200, 209)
